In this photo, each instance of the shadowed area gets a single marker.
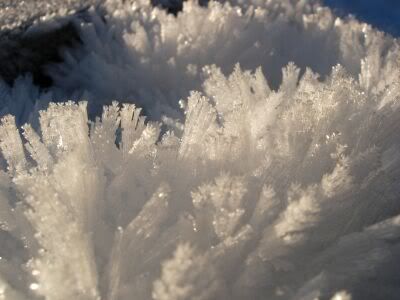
(21, 54)
(32, 33)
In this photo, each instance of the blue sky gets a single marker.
(383, 14)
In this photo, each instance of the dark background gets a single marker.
(382, 14)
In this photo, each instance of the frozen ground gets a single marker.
(245, 150)
(19, 14)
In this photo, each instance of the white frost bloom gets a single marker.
(247, 181)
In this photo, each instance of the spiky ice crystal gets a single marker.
(245, 183)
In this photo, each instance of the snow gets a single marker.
(15, 15)
(244, 150)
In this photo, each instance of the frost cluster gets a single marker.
(267, 167)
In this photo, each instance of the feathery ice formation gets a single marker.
(244, 182)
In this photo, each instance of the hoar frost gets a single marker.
(244, 182)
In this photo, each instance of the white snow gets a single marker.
(267, 168)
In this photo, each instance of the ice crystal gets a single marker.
(267, 167)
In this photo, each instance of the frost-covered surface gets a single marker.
(16, 14)
(268, 167)
(32, 33)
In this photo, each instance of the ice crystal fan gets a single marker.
(252, 153)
